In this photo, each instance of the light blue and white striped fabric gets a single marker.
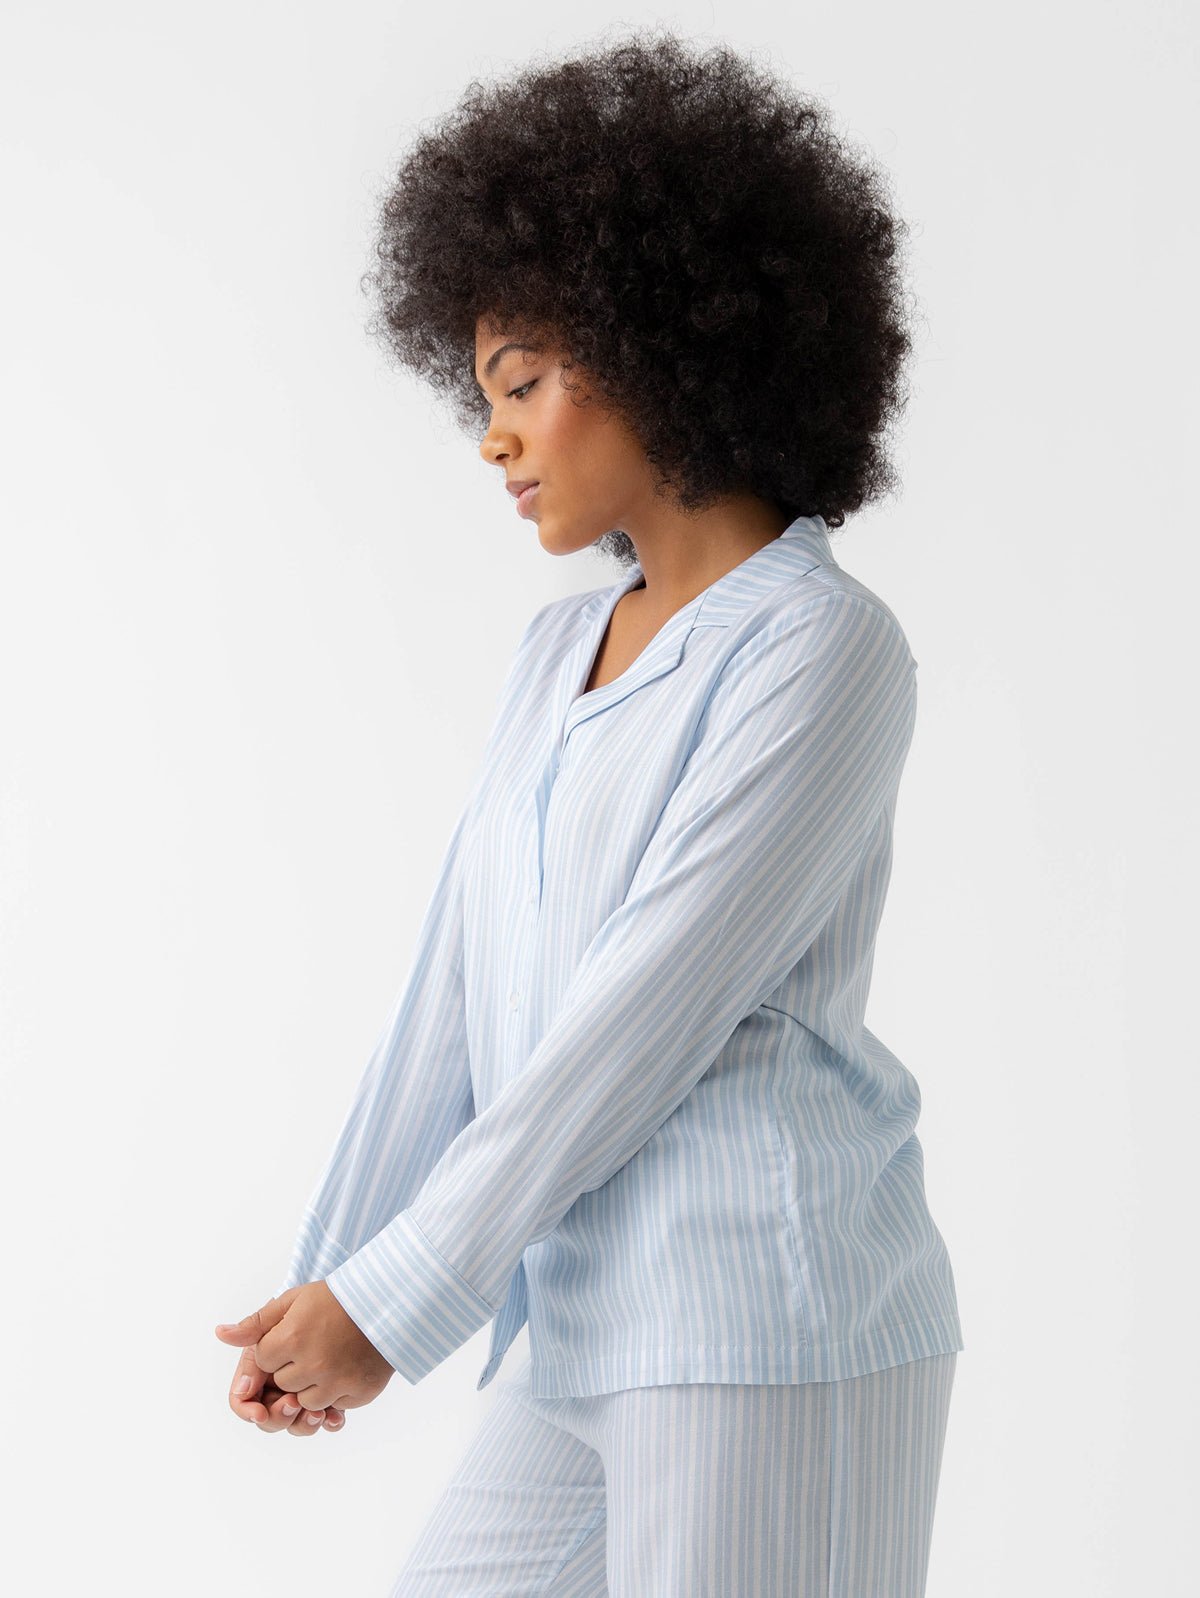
(695, 1490)
(626, 1092)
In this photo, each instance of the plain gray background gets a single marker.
(257, 601)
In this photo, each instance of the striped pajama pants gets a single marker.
(695, 1490)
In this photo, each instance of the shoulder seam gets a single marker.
(853, 596)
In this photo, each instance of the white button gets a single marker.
(513, 1000)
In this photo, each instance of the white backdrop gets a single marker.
(257, 600)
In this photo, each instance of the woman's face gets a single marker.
(592, 472)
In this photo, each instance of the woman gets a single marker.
(626, 1095)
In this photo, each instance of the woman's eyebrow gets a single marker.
(493, 359)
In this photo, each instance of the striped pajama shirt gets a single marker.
(626, 1094)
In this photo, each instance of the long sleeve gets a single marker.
(415, 1094)
(413, 1099)
(791, 773)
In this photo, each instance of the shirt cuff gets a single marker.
(407, 1299)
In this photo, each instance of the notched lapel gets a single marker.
(661, 655)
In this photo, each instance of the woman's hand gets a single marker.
(313, 1349)
(267, 1405)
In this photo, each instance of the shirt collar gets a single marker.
(802, 545)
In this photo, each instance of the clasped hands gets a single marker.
(304, 1362)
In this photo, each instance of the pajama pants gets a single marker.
(695, 1490)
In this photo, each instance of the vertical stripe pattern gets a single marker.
(701, 1490)
(626, 1093)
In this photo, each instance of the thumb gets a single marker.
(239, 1334)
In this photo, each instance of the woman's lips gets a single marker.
(525, 499)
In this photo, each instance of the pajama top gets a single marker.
(626, 1093)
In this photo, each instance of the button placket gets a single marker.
(546, 792)
(533, 895)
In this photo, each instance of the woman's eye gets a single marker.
(524, 386)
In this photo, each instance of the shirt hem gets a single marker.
(894, 1344)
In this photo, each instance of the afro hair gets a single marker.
(694, 236)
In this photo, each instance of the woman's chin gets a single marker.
(562, 541)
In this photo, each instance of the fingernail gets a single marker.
(291, 1409)
(315, 1420)
(243, 1384)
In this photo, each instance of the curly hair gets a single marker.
(694, 236)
